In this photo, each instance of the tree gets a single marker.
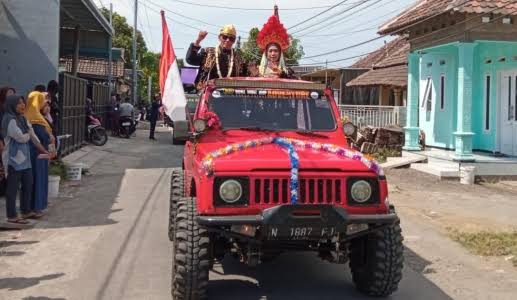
(149, 65)
(124, 38)
(251, 51)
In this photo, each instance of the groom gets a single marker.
(219, 62)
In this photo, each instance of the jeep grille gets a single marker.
(267, 191)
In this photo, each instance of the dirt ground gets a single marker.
(428, 208)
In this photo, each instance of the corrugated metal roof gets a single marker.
(85, 14)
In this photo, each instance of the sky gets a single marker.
(348, 24)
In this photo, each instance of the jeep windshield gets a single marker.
(273, 113)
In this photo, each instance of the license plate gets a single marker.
(300, 232)
(126, 124)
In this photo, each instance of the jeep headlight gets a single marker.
(361, 191)
(230, 191)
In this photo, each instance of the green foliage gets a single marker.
(57, 168)
(124, 38)
(148, 62)
(251, 52)
(150, 66)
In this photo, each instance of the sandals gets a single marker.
(19, 220)
(38, 215)
(28, 215)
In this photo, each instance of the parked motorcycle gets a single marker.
(96, 133)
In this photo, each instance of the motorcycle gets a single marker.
(96, 133)
(127, 126)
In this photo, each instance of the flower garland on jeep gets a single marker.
(290, 145)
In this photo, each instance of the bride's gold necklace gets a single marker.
(230, 68)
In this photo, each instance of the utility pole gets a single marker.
(149, 86)
(110, 54)
(135, 75)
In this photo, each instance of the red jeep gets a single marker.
(267, 170)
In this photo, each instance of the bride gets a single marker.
(273, 42)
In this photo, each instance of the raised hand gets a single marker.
(201, 36)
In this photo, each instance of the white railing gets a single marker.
(374, 115)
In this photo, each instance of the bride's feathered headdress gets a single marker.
(273, 32)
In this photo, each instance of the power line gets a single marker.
(395, 32)
(149, 24)
(245, 8)
(344, 18)
(179, 22)
(317, 15)
(187, 17)
(339, 13)
(338, 60)
(320, 45)
(345, 32)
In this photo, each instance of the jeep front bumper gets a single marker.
(307, 221)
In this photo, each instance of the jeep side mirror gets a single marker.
(349, 129)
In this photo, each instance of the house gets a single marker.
(462, 75)
(337, 80)
(35, 35)
(387, 74)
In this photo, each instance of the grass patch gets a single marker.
(57, 168)
(488, 243)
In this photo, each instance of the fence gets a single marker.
(100, 95)
(374, 115)
(72, 101)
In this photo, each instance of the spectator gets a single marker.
(115, 114)
(40, 88)
(36, 107)
(17, 133)
(55, 112)
(155, 111)
(4, 93)
(127, 112)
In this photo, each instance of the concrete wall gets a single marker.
(29, 43)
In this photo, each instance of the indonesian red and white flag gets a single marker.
(171, 87)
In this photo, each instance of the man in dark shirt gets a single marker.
(155, 112)
(219, 62)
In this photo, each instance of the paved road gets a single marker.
(109, 241)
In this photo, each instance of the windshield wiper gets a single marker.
(311, 133)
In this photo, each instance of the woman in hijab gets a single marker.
(4, 93)
(18, 132)
(37, 106)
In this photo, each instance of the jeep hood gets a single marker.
(274, 157)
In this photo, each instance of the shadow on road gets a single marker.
(20, 283)
(303, 276)
(90, 201)
(42, 298)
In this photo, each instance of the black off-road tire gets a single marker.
(177, 193)
(191, 254)
(376, 261)
(176, 141)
